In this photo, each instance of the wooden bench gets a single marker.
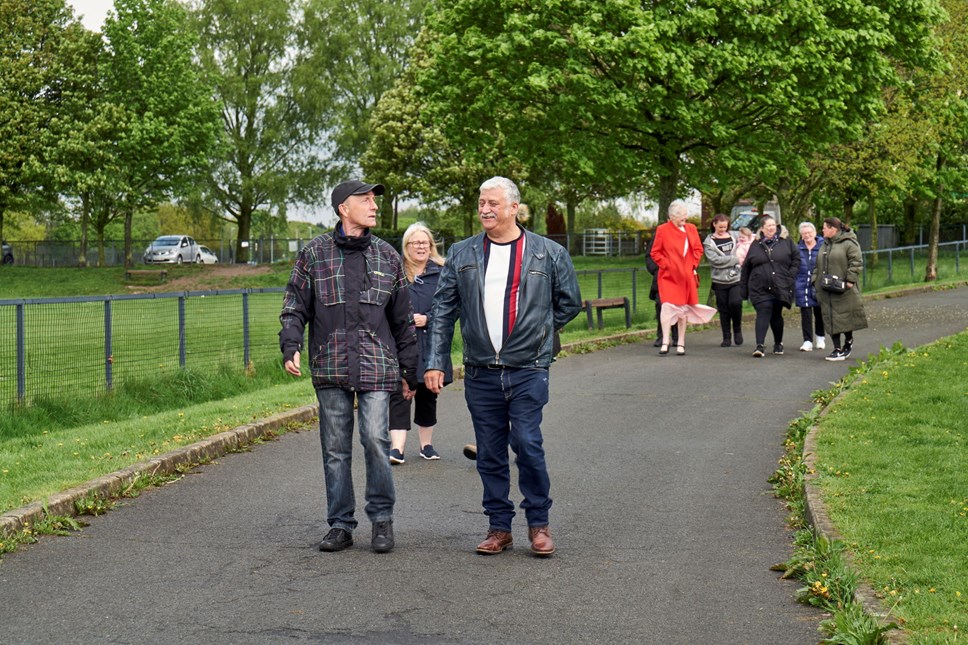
(607, 303)
(131, 273)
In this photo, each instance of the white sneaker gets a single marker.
(820, 344)
(807, 346)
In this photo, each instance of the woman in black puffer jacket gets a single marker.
(768, 278)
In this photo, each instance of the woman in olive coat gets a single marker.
(843, 313)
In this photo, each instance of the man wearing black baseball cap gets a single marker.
(350, 287)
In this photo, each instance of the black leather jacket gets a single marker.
(549, 298)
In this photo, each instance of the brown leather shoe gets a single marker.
(541, 543)
(495, 542)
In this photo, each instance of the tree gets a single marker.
(32, 34)
(274, 116)
(943, 102)
(645, 90)
(411, 154)
(358, 50)
(167, 122)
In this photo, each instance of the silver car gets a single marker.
(172, 249)
(208, 255)
(6, 253)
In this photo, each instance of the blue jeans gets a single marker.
(336, 436)
(506, 409)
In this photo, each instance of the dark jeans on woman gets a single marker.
(729, 304)
(811, 322)
(769, 315)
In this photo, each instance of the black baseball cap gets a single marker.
(353, 187)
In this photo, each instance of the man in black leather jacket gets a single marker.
(511, 290)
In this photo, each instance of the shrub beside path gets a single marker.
(665, 522)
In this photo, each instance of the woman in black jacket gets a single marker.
(768, 278)
(421, 262)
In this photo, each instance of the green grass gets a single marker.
(892, 460)
(38, 463)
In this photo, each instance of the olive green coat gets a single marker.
(841, 256)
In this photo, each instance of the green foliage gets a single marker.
(33, 34)
(273, 111)
(611, 93)
(93, 504)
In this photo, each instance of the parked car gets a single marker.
(172, 249)
(208, 256)
(7, 253)
(746, 214)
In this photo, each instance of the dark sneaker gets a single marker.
(657, 341)
(428, 452)
(737, 338)
(382, 541)
(778, 349)
(846, 350)
(836, 355)
(336, 540)
(726, 343)
(396, 457)
(759, 352)
(470, 451)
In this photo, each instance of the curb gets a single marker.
(822, 526)
(111, 484)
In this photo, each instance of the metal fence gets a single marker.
(591, 242)
(86, 346)
(83, 347)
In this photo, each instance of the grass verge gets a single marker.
(891, 466)
(34, 466)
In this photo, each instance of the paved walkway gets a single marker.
(665, 523)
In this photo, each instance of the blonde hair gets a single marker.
(409, 266)
(746, 231)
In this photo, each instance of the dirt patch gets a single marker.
(201, 277)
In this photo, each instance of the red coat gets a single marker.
(677, 282)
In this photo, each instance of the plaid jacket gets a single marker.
(353, 294)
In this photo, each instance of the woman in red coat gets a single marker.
(677, 250)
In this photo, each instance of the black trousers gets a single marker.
(811, 322)
(729, 304)
(769, 315)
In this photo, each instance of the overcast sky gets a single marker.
(93, 12)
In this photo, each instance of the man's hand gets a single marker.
(434, 380)
(293, 366)
(406, 392)
(419, 320)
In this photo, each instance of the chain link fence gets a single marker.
(84, 347)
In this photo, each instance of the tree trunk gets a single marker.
(570, 208)
(668, 185)
(128, 217)
(910, 222)
(245, 228)
(85, 220)
(849, 202)
(872, 218)
(931, 270)
(100, 248)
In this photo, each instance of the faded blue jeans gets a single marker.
(336, 436)
(506, 409)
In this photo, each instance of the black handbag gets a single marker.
(833, 283)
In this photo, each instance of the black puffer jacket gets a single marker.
(770, 271)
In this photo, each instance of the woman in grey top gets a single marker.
(720, 250)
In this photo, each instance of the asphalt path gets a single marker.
(665, 523)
